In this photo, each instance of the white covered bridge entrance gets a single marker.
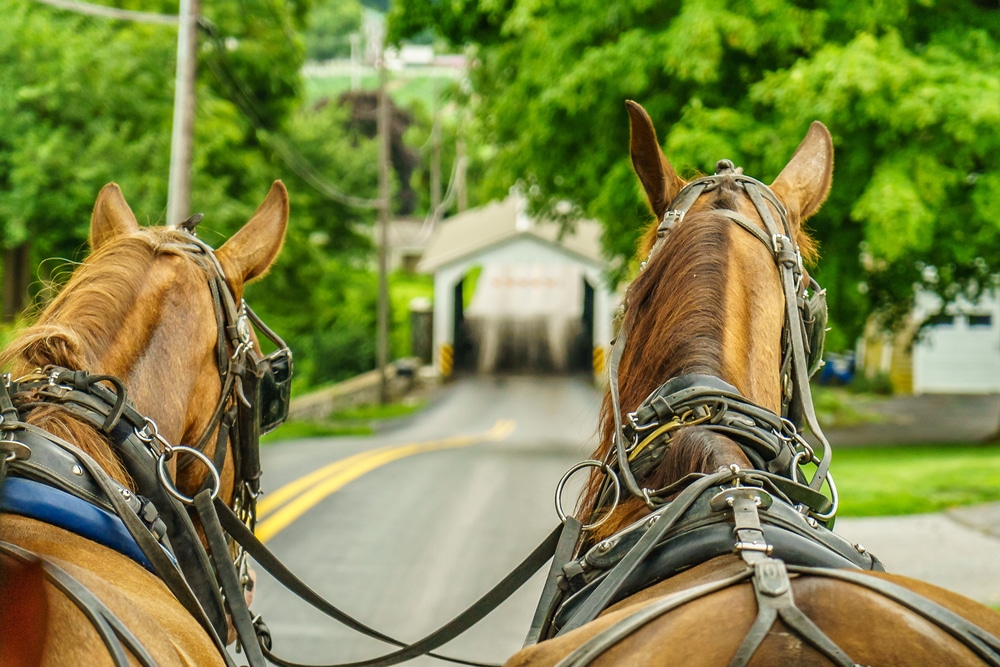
(511, 295)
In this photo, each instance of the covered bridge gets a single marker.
(513, 294)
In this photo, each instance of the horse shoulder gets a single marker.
(131, 593)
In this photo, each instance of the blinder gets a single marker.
(812, 308)
(264, 396)
(270, 393)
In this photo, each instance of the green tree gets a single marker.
(331, 23)
(909, 90)
(78, 116)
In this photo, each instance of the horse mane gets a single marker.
(84, 318)
(674, 317)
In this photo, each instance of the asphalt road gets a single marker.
(409, 544)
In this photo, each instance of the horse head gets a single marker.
(708, 303)
(142, 308)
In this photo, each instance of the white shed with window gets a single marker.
(959, 351)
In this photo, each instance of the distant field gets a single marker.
(409, 88)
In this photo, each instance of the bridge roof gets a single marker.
(476, 231)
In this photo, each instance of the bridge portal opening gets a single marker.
(466, 349)
(530, 318)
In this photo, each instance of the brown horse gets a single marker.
(691, 427)
(140, 318)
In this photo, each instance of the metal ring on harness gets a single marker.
(590, 463)
(834, 500)
(834, 496)
(168, 484)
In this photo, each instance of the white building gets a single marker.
(959, 352)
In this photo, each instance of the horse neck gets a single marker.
(85, 436)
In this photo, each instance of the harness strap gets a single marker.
(547, 602)
(773, 591)
(616, 578)
(483, 606)
(228, 579)
(789, 260)
(113, 633)
(772, 588)
(624, 470)
(7, 410)
(749, 226)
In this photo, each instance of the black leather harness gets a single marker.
(773, 541)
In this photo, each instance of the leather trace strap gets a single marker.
(483, 606)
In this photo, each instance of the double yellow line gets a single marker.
(277, 510)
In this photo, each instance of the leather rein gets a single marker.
(153, 526)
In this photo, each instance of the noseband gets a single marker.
(773, 442)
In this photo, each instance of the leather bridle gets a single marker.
(796, 365)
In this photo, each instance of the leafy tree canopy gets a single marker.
(87, 100)
(909, 89)
(330, 25)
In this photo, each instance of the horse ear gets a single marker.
(656, 174)
(251, 251)
(111, 217)
(804, 183)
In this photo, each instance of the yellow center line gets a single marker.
(303, 494)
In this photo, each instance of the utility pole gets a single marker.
(355, 38)
(384, 209)
(436, 152)
(179, 192)
(463, 195)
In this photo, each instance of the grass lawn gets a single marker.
(883, 481)
(361, 420)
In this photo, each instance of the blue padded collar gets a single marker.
(45, 503)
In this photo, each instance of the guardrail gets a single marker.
(403, 377)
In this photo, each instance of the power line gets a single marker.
(238, 95)
(111, 12)
(242, 98)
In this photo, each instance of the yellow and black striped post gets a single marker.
(599, 360)
(447, 359)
